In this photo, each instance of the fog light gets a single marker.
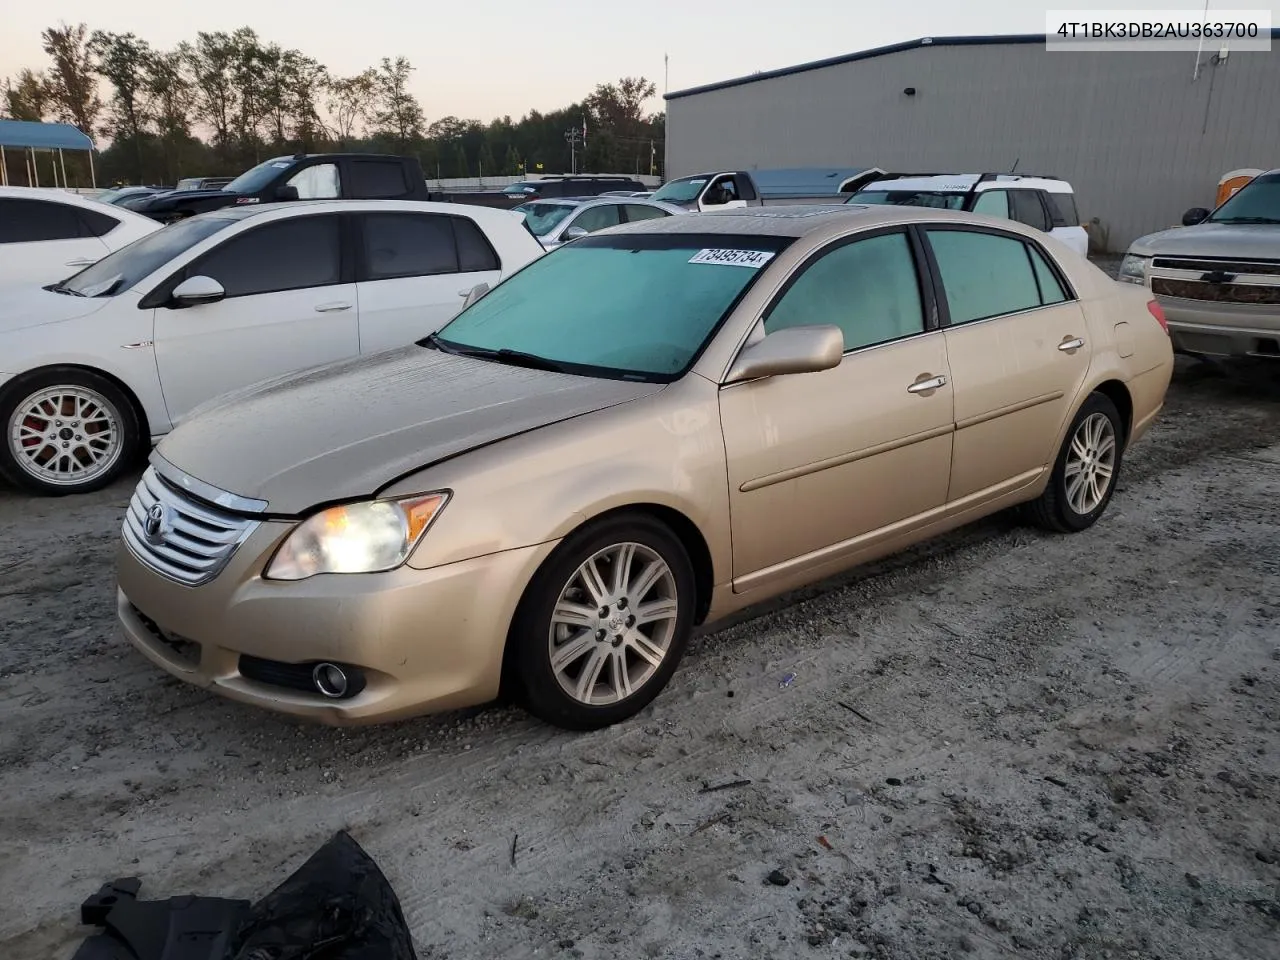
(331, 680)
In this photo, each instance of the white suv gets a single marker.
(1046, 203)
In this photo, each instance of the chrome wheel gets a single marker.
(65, 435)
(1091, 463)
(613, 624)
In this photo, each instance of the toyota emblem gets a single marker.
(153, 525)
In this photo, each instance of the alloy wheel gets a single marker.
(1091, 463)
(613, 624)
(65, 435)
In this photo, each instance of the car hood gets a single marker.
(346, 430)
(1248, 240)
(175, 197)
(23, 306)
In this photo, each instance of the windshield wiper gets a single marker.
(433, 341)
(514, 358)
(1245, 220)
(63, 289)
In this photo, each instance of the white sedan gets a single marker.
(48, 234)
(95, 366)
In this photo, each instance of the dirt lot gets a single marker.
(1006, 744)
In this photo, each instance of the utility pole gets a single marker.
(573, 136)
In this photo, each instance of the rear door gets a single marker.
(415, 271)
(43, 241)
(290, 303)
(377, 179)
(1065, 221)
(635, 212)
(1019, 355)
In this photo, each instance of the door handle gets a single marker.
(926, 386)
(1071, 344)
(82, 262)
(333, 307)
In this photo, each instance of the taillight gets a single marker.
(1157, 311)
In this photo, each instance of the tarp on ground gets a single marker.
(42, 136)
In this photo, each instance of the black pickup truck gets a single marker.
(315, 176)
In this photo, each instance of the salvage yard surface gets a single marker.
(1003, 744)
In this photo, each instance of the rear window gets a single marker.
(96, 223)
(1063, 208)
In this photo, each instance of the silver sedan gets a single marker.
(557, 221)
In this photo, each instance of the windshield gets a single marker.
(542, 218)
(1258, 201)
(119, 271)
(256, 178)
(681, 191)
(521, 188)
(910, 198)
(630, 306)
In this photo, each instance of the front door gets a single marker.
(416, 270)
(285, 309)
(820, 459)
(1019, 353)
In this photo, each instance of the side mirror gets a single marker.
(1194, 215)
(474, 294)
(286, 193)
(574, 233)
(793, 350)
(194, 291)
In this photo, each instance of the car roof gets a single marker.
(962, 182)
(802, 220)
(59, 195)
(282, 210)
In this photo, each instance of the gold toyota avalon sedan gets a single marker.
(642, 431)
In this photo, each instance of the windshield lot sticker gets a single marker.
(755, 259)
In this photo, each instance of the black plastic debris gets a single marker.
(336, 906)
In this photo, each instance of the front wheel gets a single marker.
(603, 624)
(1084, 475)
(66, 431)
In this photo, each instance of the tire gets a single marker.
(66, 430)
(1064, 507)
(599, 631)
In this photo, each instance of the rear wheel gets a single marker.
(66, 431)
(1085, 473)
(603, 624)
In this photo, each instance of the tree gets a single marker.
(461, 166)
(486, 160)
(248, 71)
(211, 61)
(28, 98)
(308, 81)
(72, 80)
(398, 114)
(352, 101)
(511, 166)
(124, 59)
(173, 98)
(620, 106)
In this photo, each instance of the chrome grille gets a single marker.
(191, 541)
(1217, 280)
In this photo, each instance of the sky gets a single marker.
(488, 58)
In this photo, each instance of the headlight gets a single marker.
(366, 537)
(1133, 268)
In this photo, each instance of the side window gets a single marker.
(1050, 289)
(742, 186)
(984, 274)
(475, 253)
(31, 221)
(377, 179)
(288, 255)
(94, 223)
(408, 245)
(1063, 209)
(1028, 209)
(993, 203)
(639, 211)
(867, 288)
(317, 182)
(598, 218)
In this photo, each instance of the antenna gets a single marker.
(1015, 165)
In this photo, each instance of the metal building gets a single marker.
(1141, 136)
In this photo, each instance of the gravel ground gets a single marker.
(1002, 744)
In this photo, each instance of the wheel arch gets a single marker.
(1118, 393)
(139, 409)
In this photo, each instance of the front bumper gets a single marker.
(426, 640)
(1220, 331)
